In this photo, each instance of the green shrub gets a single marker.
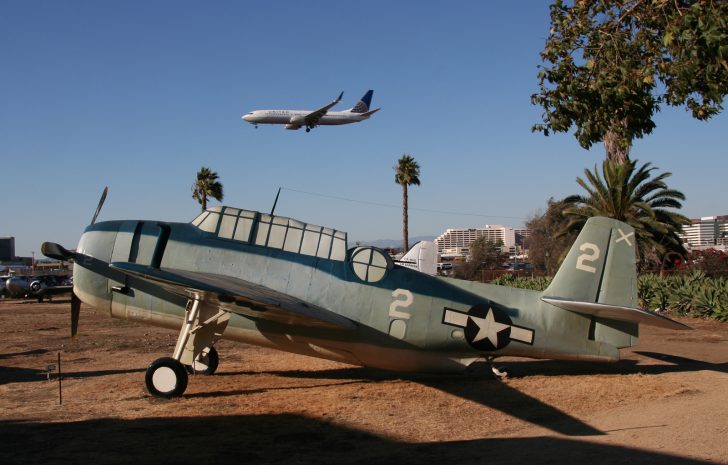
(692, 294)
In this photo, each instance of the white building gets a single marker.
(706, 231)
(456, 242)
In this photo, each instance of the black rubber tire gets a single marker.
(213, 360)
(166, 387)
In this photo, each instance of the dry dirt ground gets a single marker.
(665, 403)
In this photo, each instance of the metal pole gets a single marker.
(60, 383)
(275, 202)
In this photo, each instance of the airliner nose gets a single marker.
(249, 117)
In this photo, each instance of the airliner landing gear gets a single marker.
(308, 129)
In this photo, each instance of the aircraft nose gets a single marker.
(247, 117)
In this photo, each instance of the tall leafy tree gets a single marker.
(206, 186)
(546, 247)
(609, 65)
(484, 255)
(407, 173)
(630, 194)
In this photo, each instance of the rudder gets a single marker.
(601, 265)
(601, 268)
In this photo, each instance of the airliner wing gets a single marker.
(312, 118)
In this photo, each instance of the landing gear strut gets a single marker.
(194, 353)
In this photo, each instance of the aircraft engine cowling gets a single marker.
(296, 122)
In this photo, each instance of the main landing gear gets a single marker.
(205, 363)
(194, 353)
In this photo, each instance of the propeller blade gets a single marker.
(101, 204)
(53, 250)
(75, 312)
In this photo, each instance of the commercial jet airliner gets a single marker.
(295, 119)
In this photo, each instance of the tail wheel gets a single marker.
(206, 363)
(166, 377)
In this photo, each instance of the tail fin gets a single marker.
(599, 278)
(421, 257)
(362, 106)
(600, 267)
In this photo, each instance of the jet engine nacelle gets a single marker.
(296, 122)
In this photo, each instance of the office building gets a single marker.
(7, 249)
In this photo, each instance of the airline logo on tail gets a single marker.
(362, 106)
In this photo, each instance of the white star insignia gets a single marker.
(488, 328)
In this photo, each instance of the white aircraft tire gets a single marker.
(205, 364)
(166, 377)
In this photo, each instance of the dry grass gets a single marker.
(265, 406)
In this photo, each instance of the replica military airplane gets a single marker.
(295, 119)
(282, 283)
(36, 287)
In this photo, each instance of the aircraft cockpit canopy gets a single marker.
(272, 231)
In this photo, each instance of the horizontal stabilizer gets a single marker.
(370, 113)
(616, 312)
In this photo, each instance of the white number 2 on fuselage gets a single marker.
(402, 299)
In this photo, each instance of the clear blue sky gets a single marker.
(139, 95)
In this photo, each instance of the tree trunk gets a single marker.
(615, 151)
(204, 201)
(405, 231)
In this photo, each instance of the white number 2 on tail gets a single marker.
(399, 302)
(591, 256)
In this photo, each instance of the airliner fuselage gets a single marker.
(295, 119)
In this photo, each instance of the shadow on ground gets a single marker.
(26, 375)
(281, 439)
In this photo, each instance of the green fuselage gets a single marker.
(403, 320)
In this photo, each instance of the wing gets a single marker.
(312, 118)
(238, 296)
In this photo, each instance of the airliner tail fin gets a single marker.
(362, 106)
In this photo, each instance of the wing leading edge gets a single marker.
(237, 296)
(313, 118)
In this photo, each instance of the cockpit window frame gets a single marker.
(274, 232)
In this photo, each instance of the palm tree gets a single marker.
(206, 186)
(629, 194)
(407, 173)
